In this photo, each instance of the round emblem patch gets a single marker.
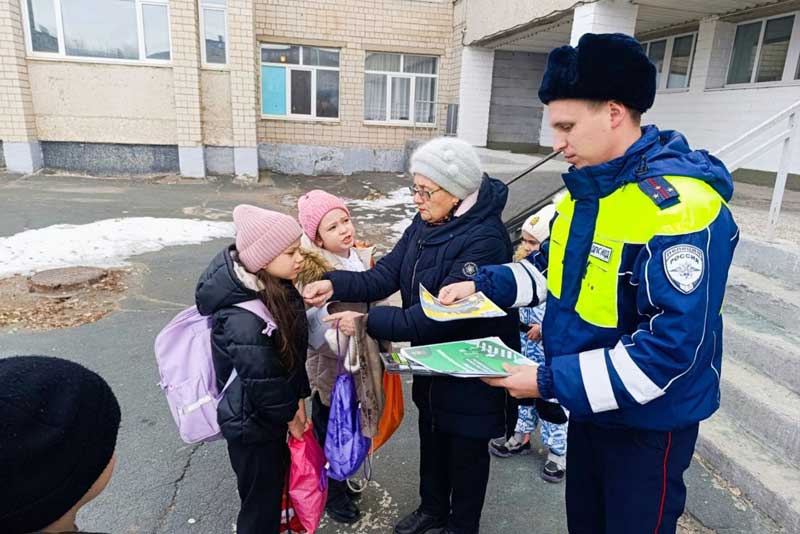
(684, 265)
(470, 269)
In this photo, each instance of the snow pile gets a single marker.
(106, 243)
(400, 199)
(394, 212)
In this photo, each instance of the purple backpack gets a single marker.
(345, 446)
(183, 355)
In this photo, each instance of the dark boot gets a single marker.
(418, 522)
(342, 510)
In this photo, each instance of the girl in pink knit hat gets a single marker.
(265, 399)
(329, 243)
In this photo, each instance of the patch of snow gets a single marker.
(400, 226)
(394, 212)
(399, 199)
(106, 243)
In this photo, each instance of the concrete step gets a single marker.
(769, 482)
(768, 411)
(763, 296)
(766, 348)
(780, 260)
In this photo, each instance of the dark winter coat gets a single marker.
(435, 256)
(263, 398)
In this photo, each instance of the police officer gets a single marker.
(638, 259)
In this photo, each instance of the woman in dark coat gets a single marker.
(458, 229)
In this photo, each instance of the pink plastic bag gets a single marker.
(308, 485)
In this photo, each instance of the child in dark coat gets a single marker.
(266, 399)
(535, 231)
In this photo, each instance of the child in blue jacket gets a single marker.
(535, 231)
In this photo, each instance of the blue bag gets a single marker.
(345, 446)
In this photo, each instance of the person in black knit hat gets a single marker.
(59, 424)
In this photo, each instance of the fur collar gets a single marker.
(248, 279)
(317, 261)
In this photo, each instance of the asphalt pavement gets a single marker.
(162, 485)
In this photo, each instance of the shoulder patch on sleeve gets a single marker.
(660, 191)
(684, 266)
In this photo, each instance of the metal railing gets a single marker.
(734, 155)
(451, 128)
(514, 224)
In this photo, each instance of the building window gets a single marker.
(759, 50)
(673, 55)
(214, 31)
(655, 51)
(299, 81)
(109, 29)
(400, 88)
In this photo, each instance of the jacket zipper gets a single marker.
(416, 262)
(430, 403)
(430, 384)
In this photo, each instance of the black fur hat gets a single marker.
(608, 66)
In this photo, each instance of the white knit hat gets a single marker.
(451, 163)
(538, 224)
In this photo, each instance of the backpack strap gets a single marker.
(231, 378)
(259, 309)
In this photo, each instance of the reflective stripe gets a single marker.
(196, 405)
(599, 293)
(633, 378)
(596, 381)
(541, 281)
(524, 282)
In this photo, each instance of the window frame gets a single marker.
(62, 55)
(792, 53)
(412, 121)
(668, 49)
(288, 81)
(202, 6)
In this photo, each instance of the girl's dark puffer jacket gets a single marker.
(435, 256)
(263, 398)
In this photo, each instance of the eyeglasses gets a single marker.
(423, 193)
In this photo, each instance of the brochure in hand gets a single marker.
(466, 359)
(394, 363)
(476, 306)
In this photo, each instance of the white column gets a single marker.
(712, 55)
(475, 94)
(192, 161)
(244, 55)
(23, 157)
(185, 33)
(21, 148)
(606, 16)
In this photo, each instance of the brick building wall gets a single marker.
(186, 83)
(358, 26)
(207, 117)
(17, 126)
